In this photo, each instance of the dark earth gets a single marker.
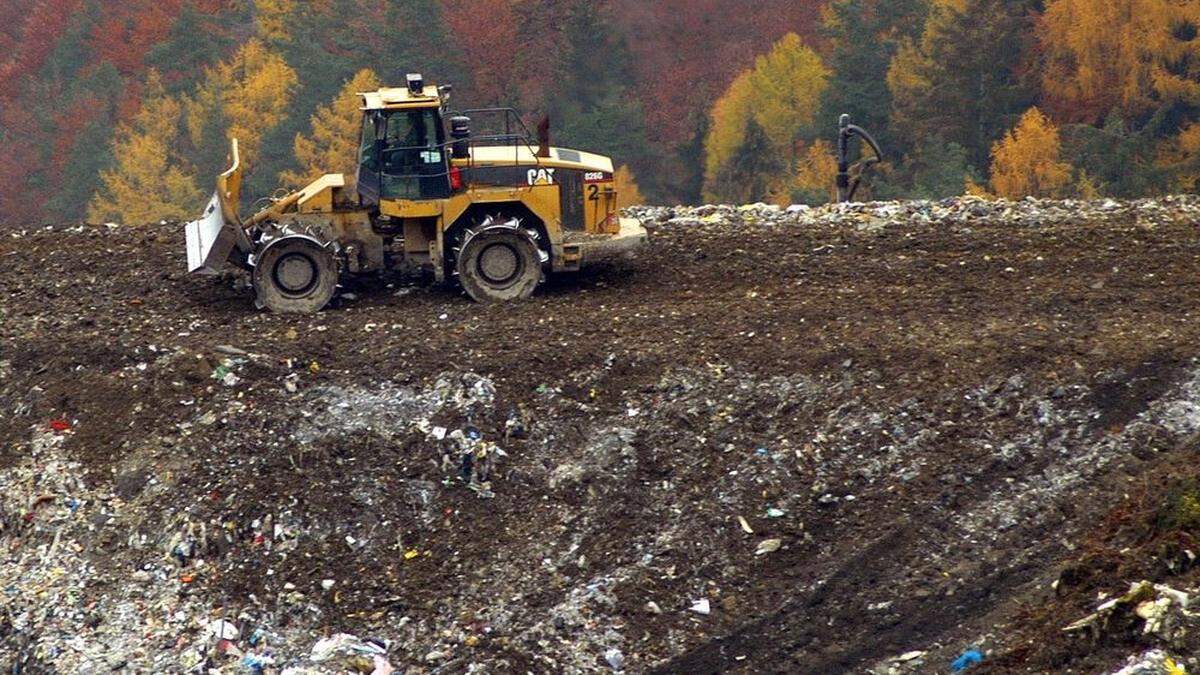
(950, 419)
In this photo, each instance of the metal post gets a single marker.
(843, 158)
(847, 186)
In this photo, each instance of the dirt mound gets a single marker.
(867, 437)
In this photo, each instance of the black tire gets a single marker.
(295, 276)
(499, 265)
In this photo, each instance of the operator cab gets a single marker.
(402, 147)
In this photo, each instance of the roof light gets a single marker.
(416, 84)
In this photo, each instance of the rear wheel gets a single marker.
(498, 265)
(295, 276)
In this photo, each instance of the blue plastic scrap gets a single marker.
(966, 660)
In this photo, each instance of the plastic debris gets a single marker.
(768, 546)
(220, 629)
(615, 658)
(745, 525)
(702, 606)
(966, 660)
(257, 663)
(342, 645)
(775, 513)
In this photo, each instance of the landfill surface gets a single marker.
(906, 437)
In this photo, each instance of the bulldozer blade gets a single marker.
(210, 240)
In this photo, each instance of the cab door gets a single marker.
(412, 156)
(368, 179)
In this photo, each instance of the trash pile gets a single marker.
(953, 212)
(1161, 610)
(1153, 662)
(845, 439)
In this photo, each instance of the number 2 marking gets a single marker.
(593, 193)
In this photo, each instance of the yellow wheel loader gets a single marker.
(491, 212)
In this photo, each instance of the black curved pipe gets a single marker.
(846, 187)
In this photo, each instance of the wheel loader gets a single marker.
(492, 212)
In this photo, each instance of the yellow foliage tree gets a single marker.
(147, 183)
(788, 83)
(1125, 55)
(252, 92)
(782, 94)
(271, 18)
(727, 129)
(1026, 161)
(626, 186)
(333, 143)
(816, 172)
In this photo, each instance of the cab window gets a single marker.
(412, 157)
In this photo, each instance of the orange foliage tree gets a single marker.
(1127, 56)
(487, 33)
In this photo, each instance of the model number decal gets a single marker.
(541, 176)
(596, 177)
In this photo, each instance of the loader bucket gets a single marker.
(212, 239)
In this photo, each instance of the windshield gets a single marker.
(412, 161)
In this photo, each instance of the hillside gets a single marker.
(849, 434)
(122, 110)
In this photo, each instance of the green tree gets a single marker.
(193, 44)
(864, 36)
(939, 169)
(964, 79)
(753, 173)
(1120, 159)
(595, 108)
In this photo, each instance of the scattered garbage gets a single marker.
(231, 499)
(967, 659)
(224, 372)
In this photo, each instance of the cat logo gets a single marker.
(541, 176)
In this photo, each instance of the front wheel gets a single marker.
(295, 276)
(498, 265)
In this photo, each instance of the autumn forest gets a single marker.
(121, 110)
